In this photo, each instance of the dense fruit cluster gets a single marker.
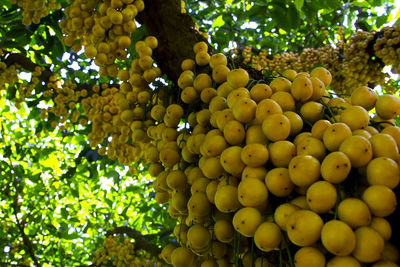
(387, 47)
(349, 62)
(285, 164)
(122, 253)
(34, 10)
(104, 29)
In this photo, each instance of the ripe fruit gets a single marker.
(267, 236)
(309, 257)
(321, 196)
(252, 192)
(304, 170)
(369, 244)
(246, 221)
(387, 106)
(238, 78)
(380, 199)
(338, 238)
(304, 227)
(354, 212)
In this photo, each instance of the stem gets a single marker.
(288, 250)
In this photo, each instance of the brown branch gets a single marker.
(140, 240)
(25, 63)
(176, 34)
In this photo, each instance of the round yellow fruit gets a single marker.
(309, 257)
(304, 227)
(321, 196)
(246, 221)
(267, 236)
(338, 238)
(369, 245)
(354, 212)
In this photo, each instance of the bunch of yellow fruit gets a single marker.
(286, 164)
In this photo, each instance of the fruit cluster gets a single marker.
(104, 30)
(285, 165)
(34, 10)
(122, 253)
(350, 62)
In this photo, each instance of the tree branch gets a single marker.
(175, 31)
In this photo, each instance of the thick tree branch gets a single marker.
(176, 34)
(21, 60)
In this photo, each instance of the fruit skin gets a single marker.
(369, 245)
(267, 236)
(338, 238)
(309, 257)
(304, 227)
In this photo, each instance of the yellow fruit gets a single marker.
(380, 199)
(254, 172)
(234, 132)
(198, 205)
(296, 122)
(384, 145)
(311, 146)
(285, 100)
(252, 192)
(280, 84)
(387, 107)
(187, 64)
(276, 127)
(236, 95)
(312, 111)
(382, 226)
(244, 109)
(202, 58)
(198, 237)
(278, 182)
(390, 252)
(246, 221)
(318, 88)
(335, 134)
(223, 117)
(254, 134)
(254, 155)
(369, 245)
(309, 257)
(281, 152)
(223, 231)
(354, 212)
(260, 91)
(267, 107)
(356, 117)
(304, 227)
(304, 170)
(319, 128)
(212, 168)
(282, 213)
(290, 74)
(393, 131)
(384, 264)
(226, 198)
(218, 59)
(335, 167)
(182, 257)
(189, 95)
(301, 88)
(200, 46)
(267, 236)
(383, 171)
(321, 196)
(338, 238)
(207, 94)
(238, 78)
(358, 149)
(364, 96)
(220, 73)
(323, 74)
(166, 253)
(347, 261)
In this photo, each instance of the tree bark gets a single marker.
(176, 34)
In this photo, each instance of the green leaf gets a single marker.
(218, 22)
(298, 4)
